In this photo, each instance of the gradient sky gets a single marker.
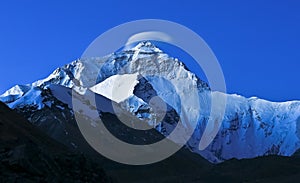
(256, 42)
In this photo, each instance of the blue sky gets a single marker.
(256, 42)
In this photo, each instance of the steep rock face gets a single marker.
(253, 127)
(250, 128)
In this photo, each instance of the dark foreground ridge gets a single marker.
(29, 155)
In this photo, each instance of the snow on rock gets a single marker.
(252, 128)
(14, 93)
(33, 98)
(146, 47)
(117, 87)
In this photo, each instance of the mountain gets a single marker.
(251, 127)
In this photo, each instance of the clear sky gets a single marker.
(257, 42)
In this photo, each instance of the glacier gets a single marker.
(251, 127)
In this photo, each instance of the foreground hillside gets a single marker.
(28, 155)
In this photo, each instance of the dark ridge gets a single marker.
(28, 155)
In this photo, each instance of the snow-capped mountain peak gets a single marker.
(250, 128)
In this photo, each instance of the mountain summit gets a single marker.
(251, 127)
(146, 47)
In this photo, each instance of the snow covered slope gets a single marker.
(251, 127)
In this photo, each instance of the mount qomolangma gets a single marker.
(251, 127)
